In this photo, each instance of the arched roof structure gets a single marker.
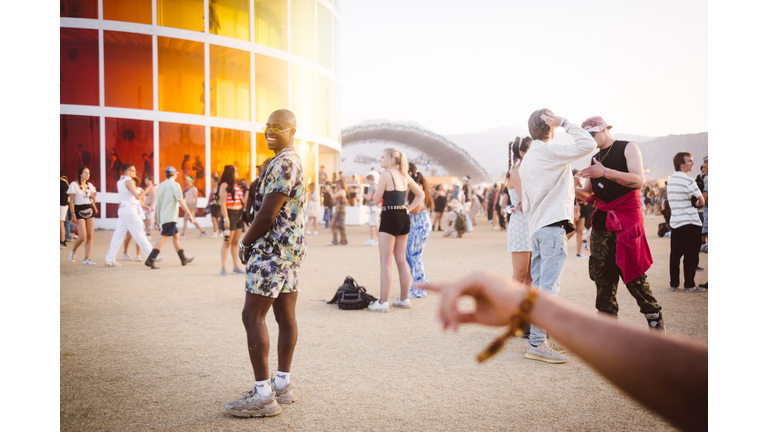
(453, 158)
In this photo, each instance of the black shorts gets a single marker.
(395, 222)
(169, 229)
(235, 220)
(84, 211)
(215, 210)
(586, 214)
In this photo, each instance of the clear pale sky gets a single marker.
(460, 67)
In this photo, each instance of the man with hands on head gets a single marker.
(618, 244)
(272, 250)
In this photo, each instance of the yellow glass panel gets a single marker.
(231, 147)
(324, 37)
(181, 72)
(303, 28)
(303, 97)
(262, 151)
(128, 70)
(229, 18)
(270, 17)
(271, 86)
(336, 46)
(181, 14)
(230, 83)
(182, 146)
(306, 152)
(324, 106)
(137, 11)
(336, 132)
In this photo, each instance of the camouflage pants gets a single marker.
(604, 271)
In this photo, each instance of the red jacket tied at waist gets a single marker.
(633, 256)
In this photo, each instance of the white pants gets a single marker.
(129, 220)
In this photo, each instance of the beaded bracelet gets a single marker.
(519, 319)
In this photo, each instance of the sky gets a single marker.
(461, 67)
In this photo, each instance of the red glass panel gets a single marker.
(183, 147)
(79, 66)
(79, 146)
(79, 9)
(127, 70)
(128, 141)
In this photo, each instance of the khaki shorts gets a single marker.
(270, 275)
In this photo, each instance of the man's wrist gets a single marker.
(562, 123)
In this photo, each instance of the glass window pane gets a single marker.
(229, 18)
(324, 37)
(336, 47)
(271, 22)
(230, 83)
(183, 147)
(303, 97)
(79, 66)
(303, 28)
(306, 152)
(182, 14)
(137, 11)
(127, 70)
(336, 133)
(128, 141)
(181, 71)
(262, 151)
(271, 86)
(79, 146)
(79, 9)
(324, 106)
(231, 147)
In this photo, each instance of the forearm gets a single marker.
(583, 146)
(627, 179)
(582, 194)
(259, 227)
(667, 374)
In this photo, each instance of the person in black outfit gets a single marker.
(440, 201)
(64, 206)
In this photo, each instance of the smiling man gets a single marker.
(272, 250)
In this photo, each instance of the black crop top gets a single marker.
(394, 197)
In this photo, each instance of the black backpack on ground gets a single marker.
(351, 296)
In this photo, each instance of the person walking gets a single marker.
(213, 201)
(685, 241)
(63, 207)
(548, 197)
(169, 198)
(128, 237)
(393, 186)
(231, 222)
(272, 251)
(476, 205)
(440, 201)
(421, 227)
(149, 205)
(82, 203)
(518, 240)
(313, 207)
(190, 197)
(338, 223)
(618, 244)
(129, 216)
(374, 210)
(327, 205)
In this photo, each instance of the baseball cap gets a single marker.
(466, 178)
(190, 178)
(595, 124)
(169, 171)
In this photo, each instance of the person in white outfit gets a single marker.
(128, 217)
(518, 240)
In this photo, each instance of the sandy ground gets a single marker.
(166, 350)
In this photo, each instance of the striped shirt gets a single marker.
(680, 189)
(237, 200)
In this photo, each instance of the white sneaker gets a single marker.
(127, 257)
(138, 258)
(183, 236)
(378, 307)
(88, 262)
(159, 258)
(110, 263)
(315, 232)
(375, 243)
(71, 256)
(580, 256)
(405, 304)
(368, 243)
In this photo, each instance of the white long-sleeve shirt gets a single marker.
(547, 181)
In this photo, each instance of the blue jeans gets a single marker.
(327, 216)
(548, 255)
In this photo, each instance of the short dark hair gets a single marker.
(679, 159)
(125, 167)
(536, 126)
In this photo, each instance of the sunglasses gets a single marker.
(592, 134)
(274, 130)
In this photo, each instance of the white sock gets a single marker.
(282, 379)
(263, 389)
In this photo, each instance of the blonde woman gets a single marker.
(393, 187)
(313, 208)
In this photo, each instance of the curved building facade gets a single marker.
(190, 83)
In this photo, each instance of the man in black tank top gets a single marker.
(615, 172)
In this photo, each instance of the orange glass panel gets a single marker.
(231, 147)
(128, 141)
(79, 9)
(183, 147)
(262, 151)
(127, 70)
(79, 146)
(324, 37)
(303, 97)
(230, 83)
(271, 22)
(271, 86)
(324, 106)
(229, 18)
(303, 28)
(136, 11)
(79, 66)
(182, 14)
(181, 71)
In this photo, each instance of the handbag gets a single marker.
(352, 296)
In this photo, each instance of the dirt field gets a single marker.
(165, 349)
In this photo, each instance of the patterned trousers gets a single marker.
(338, 226)
(421, 227)
(605, 272)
